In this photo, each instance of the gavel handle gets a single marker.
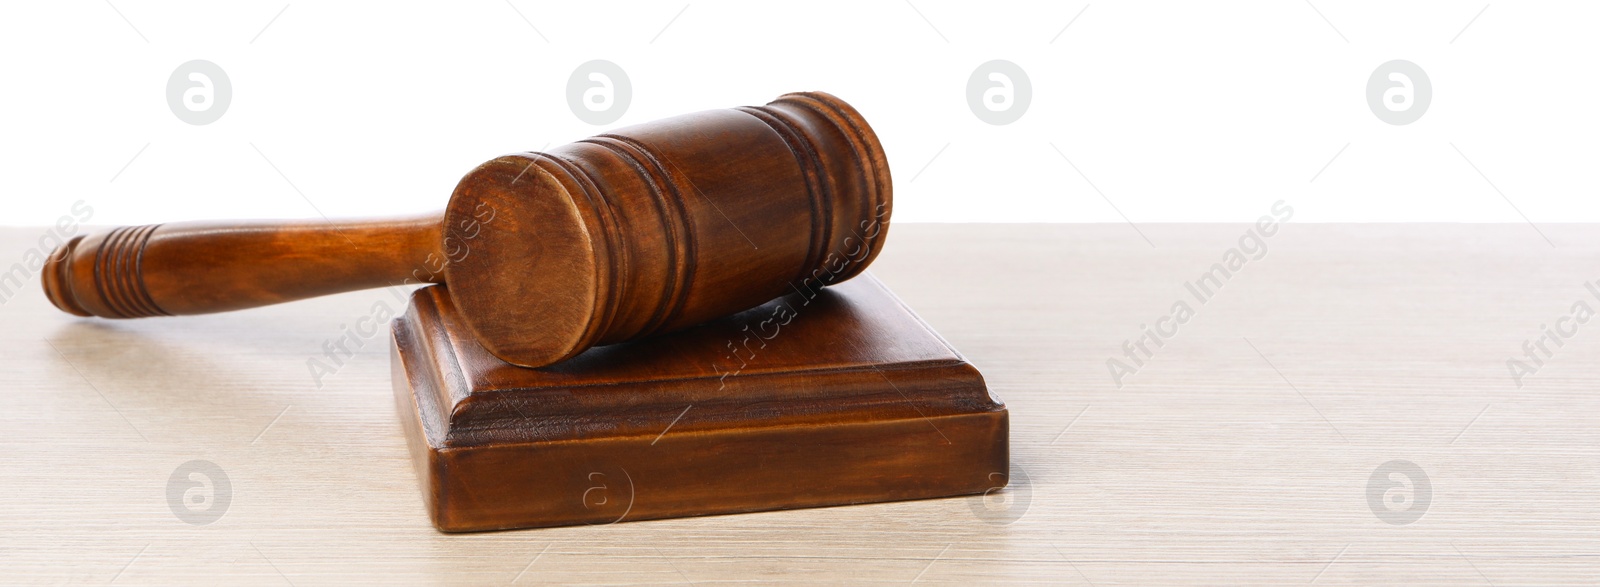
(203, 267)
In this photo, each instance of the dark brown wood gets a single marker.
(827, 397)
(644, 230)
(198, 267)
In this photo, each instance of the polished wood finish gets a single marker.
(644, 230)
(836, 396)
(199, 267)
(660, 226)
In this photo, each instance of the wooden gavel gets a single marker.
(648, 229)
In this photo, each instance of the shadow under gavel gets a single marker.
(648, 229)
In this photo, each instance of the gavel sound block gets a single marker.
(822, 397)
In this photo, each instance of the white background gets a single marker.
(1178, 111)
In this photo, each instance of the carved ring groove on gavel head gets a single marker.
(647, 229)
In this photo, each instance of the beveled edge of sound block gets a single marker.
(852, 399)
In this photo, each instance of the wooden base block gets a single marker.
(840, 396)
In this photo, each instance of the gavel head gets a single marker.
(664, 225)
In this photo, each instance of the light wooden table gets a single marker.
(1240, 453)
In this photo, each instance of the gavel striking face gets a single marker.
(648, 229)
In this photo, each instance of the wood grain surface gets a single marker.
(1241, 452)
(842, 397)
